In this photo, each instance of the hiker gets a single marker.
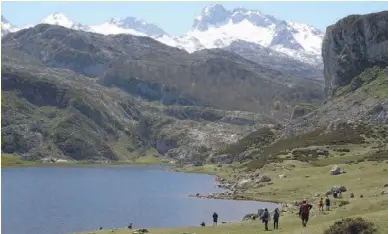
(327, 201)
(130, 226)
(276, 219)
(265, 218)
(321, 204)
(215, 219)
(352, 195)
(203, 224)
(304, 212)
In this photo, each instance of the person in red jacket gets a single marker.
(304, 212)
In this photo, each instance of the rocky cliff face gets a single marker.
(355, 56)
(353, 44)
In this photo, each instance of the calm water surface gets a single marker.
(65, 200)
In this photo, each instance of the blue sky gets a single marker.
(177, 17)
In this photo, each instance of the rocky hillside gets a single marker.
(84, 96)
(355, 114)
(207, 78)
(58, 113)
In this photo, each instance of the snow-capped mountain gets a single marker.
(217, 27)
(63, 20)
(129, 25)
(7, 27)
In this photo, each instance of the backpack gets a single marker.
(305, 208)
(265, 215)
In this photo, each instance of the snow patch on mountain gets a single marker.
(62, 20)
(109, 28)
(128, 25)
(7, 27)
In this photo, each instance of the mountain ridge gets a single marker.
(283, 36)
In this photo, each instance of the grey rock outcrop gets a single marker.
(264, 178)
(353, 44)
(336, 170)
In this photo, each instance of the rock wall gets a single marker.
(353, 44)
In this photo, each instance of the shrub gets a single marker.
(351, 225)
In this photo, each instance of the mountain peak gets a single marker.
(6, 26)
(57, 19)
(4, 19)
(211, 15)
(215, 15)
(62, 20)
(212, 9)
(132, 23)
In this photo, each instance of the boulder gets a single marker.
(264, 178)
(336, 170)
(250, 217)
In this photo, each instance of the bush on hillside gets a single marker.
(351, 226)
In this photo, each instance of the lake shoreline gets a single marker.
(13, 161)
(228, 193)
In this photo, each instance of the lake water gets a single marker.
(65, 200)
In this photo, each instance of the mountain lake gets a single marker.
(70, 199)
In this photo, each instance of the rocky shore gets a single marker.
(236, 187)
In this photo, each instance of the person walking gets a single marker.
(321, 204)
(327, 201)
(304, 212)
(265, 218)
(276, 219)
(215, 219)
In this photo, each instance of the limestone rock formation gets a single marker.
(353, 44)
